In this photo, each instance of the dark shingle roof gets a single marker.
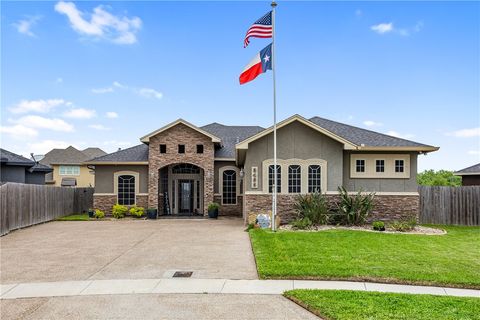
(230, 136)
(93, 152)
(134, 154)
(470, 170)
(361, 136)
(10, 158)
(70, 155)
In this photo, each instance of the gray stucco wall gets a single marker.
(35, 177)
(298, 141)
(12, 174)
(217, 166)
(381, 185)
(104, 177)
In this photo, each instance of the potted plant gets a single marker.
(137, 212)
(91, 212)
(152, 213)
(213, 210)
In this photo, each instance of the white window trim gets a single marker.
(65, 174)
(303, 163)
(370, 166)
(131, 173)
(220, 184)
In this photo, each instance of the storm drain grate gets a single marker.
(182, 274)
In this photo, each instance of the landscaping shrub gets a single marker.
(356, 208)
(137, 212)
(99, 214)
(403, 226)
(119, 211)
(302, 224)
(378, 225)
(312, 206)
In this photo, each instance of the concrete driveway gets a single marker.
(127, 249)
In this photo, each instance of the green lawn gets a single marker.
(74, 217)
(359, 305)
(447, 260)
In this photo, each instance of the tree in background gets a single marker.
(438, 178)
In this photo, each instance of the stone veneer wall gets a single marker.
(387, 207)
(180, 134)
(230, 210)
(106, 202)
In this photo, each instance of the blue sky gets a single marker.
(105, 73)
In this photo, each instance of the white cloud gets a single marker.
(119, 85)
(465, 133)
(111, 115)
(38, 122)
(370, 123)
(42, 106)
(44, 146)
(24, 26)
(99, 127)
(382, 28)
(474, 152)
(398, 135)
(149, 93)
(102, 24)
(102, 90)
(19, 131)
(79, 113)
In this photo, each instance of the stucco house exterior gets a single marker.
(16, 168)
(68, 168)
(181, 168)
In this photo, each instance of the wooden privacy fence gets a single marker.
(450, 205)
(23, 205)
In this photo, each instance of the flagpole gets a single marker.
(275, 173)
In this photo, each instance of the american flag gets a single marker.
(262, 28)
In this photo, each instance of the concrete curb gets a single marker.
(217, 286)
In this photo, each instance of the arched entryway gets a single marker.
(181, 189)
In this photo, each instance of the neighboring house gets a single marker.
(15, 168)
(181, 168)
(68, 167)
(470, 176)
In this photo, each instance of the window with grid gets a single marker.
(69, 170)
(399, 165)
(294, 179)
(271, 177)
(360, 165)
(126, 190)
(314, 178)
(380, 165)
(229, 195)
(186, 168)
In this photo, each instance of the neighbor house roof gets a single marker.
(134, 155)
(70, 156)
(473, 170)
(230, 136)
(13, 159)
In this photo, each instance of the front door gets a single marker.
(185, 196)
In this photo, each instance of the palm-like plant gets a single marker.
(355, 209)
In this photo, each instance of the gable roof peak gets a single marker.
(146, 139)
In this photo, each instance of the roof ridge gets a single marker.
(121, 150)
(368, 130)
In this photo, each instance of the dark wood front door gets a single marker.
(185, 196)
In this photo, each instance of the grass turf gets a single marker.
(446, 260)
(359, 305)
(74, 217)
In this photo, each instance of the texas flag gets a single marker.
(260, 64)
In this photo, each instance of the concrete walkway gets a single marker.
(212, 286)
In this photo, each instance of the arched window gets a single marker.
(271, 176)
(314, 178)
(126, 190)
(229, 194)
(186, 168)
(294, 179)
